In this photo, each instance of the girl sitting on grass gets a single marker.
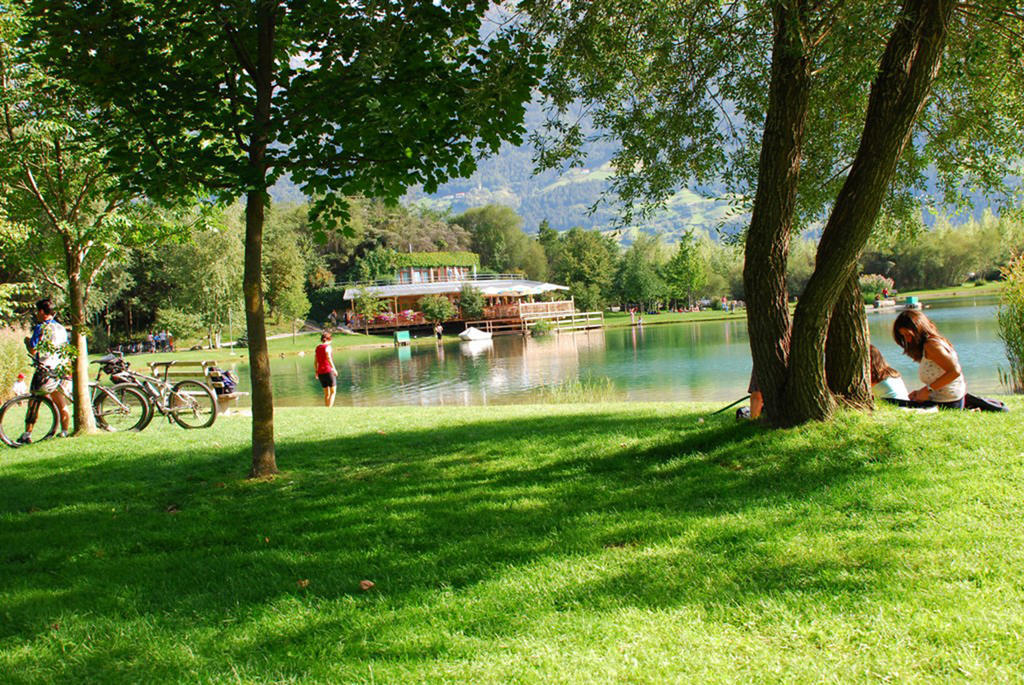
(940, 371)
(886, 382)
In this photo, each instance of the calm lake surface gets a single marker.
(682, 362)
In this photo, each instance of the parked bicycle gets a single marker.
(120, 407)
(189, 403)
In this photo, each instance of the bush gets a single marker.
(12, 358)
(540, 328)
(472, 302)
(1011, 322)
(181, 324)
(323, 300)
(872, 285)
(716, 304)
(436, 308)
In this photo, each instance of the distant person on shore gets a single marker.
(939, 369)
(326, 373)
(438, 331)
(886, 382)
(20, 387)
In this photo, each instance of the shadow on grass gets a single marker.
(492, 512)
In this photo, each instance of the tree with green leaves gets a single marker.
(204, 278)
(686, 272)
(638, 278)
(348, 98)
(496, 233)
(367, 305)
(859, 105)
(587, 263)
(548, 239)
(59, 186)
(471, 302)
(378, 264)
(284, 272)
(436, 308)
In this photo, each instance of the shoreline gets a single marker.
(618, 320)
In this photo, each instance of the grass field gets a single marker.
(560, 543)
(965, 290)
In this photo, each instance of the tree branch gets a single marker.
(243, 57)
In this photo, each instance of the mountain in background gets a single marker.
(563, 199)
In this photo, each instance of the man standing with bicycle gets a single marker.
(48, 340)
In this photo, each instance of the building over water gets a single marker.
(512, 302)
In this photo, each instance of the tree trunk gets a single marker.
(84, 420)
(905, 75)
(771, 222)
(264, 462)
(847, 364)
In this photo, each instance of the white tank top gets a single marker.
(929, 371)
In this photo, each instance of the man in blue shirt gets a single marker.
(46, 344)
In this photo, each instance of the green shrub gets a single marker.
(540, 328)
(181, 324)
(12, 358)
(1011, 323)
(872, 285)
(436, 308)
(323, 300)
(472, 302)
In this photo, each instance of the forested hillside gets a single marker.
(563, 198)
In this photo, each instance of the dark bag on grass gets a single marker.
(983, 403)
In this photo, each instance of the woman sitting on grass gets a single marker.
(939, 369)
(886, 382)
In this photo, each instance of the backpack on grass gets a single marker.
(983, 403)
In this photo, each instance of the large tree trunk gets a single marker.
(264, 462)
(84, 420)
(771, 223)
(905, 75)
(846, 349)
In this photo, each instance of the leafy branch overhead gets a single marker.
(367, 100)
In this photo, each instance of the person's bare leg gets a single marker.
(61, 402)
(327, 397)
(756, 404)
(330, 396)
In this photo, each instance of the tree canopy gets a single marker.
(347, 98)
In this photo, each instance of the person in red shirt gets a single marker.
(325, 371)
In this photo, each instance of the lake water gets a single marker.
(680, 362)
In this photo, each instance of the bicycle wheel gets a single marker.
(14, 413)
(121, 408)
(192, 404)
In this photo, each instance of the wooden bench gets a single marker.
(206, 371)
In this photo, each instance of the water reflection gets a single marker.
(701, 362)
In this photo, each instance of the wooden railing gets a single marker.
(387, 320)
(530, 309)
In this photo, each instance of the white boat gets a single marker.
(473, 333)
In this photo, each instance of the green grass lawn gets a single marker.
(965, 290)
(617, 319)
(560, 543)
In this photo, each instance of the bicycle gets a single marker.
(188, 403)
(116, 408)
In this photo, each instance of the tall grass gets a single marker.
(1011, 323)
(12, 358)
(584, 390)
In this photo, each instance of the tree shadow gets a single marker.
(424, 513)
